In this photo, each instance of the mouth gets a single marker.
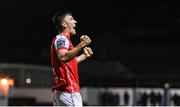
(74, 26)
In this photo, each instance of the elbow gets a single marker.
(63, 59)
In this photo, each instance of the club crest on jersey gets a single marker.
(61, 42)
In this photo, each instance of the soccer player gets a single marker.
(65, 59)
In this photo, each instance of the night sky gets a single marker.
(143, 35)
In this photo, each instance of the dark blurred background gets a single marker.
(142, 37)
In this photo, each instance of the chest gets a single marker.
(71, 45)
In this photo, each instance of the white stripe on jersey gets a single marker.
(68, 75)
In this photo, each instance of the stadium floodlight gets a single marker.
(5, 83)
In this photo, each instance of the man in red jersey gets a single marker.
(66, 89)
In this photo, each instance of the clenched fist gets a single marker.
(88, 51)
(85, 40)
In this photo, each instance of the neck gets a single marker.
(65, 33)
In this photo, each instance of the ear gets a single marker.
(63, 25)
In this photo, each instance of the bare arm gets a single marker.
(87, 53)
(64, 55)
(81, 58)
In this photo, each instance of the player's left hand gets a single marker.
(88, 51)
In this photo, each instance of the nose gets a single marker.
(75, 21)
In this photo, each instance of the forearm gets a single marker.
(81, 58)
(69, 55)
(87, 53)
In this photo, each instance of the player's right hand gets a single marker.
(85, 39)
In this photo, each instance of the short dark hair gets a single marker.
(58, 18)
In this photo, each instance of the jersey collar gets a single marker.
(65, 34)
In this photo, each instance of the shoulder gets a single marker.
(61, 41)
(61, 38)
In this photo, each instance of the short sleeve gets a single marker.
(61, 42)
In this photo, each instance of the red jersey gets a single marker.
(65, 74)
